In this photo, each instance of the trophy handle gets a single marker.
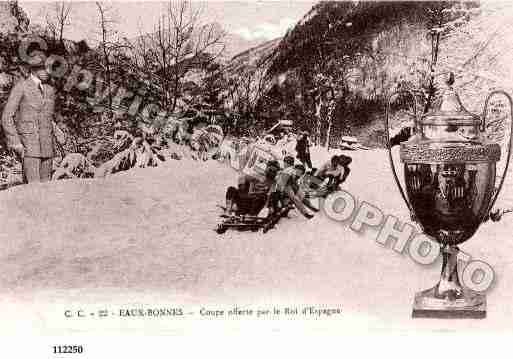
(389, 147)
(510, 142)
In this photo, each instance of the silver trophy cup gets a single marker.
(450, 188)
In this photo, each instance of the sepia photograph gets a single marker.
(204, 168)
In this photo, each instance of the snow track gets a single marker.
(146, 236)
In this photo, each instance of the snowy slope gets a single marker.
(145, 238)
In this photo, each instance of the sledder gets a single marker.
(244, 203)
(325, 180)
(334, 172)
(259, 203)
(283, 197)
(251, 195)
(284, 192)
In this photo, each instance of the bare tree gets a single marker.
(107, 47)
(58, 20)
(330, 89)
(178, 44)
(245, 88)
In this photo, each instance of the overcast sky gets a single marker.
(251, 19)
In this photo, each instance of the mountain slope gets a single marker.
(364, 51)
(229, 45)
(236, 45)
(255, 56)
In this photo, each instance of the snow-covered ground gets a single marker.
(145, 238)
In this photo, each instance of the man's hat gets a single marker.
(36, 54)
(288, 160)
(272, 169)
(273, 164)
(344, 160)
(37, 65)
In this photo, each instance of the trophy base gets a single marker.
(470, 305)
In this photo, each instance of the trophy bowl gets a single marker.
(450, 199)
(450, 187)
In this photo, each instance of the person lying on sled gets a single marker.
(283, 193)
(334, 172)
(344, 161)
(251, 196)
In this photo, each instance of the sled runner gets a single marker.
(247, 223)
(251, 223)
(241, 223)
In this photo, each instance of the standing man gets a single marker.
(28, 124)
(303, 150)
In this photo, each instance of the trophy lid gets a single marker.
(449, 110)
(449, 134)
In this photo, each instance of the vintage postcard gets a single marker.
(223, 167)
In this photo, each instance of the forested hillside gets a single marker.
(343, 59)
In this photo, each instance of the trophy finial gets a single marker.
(450, 101)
